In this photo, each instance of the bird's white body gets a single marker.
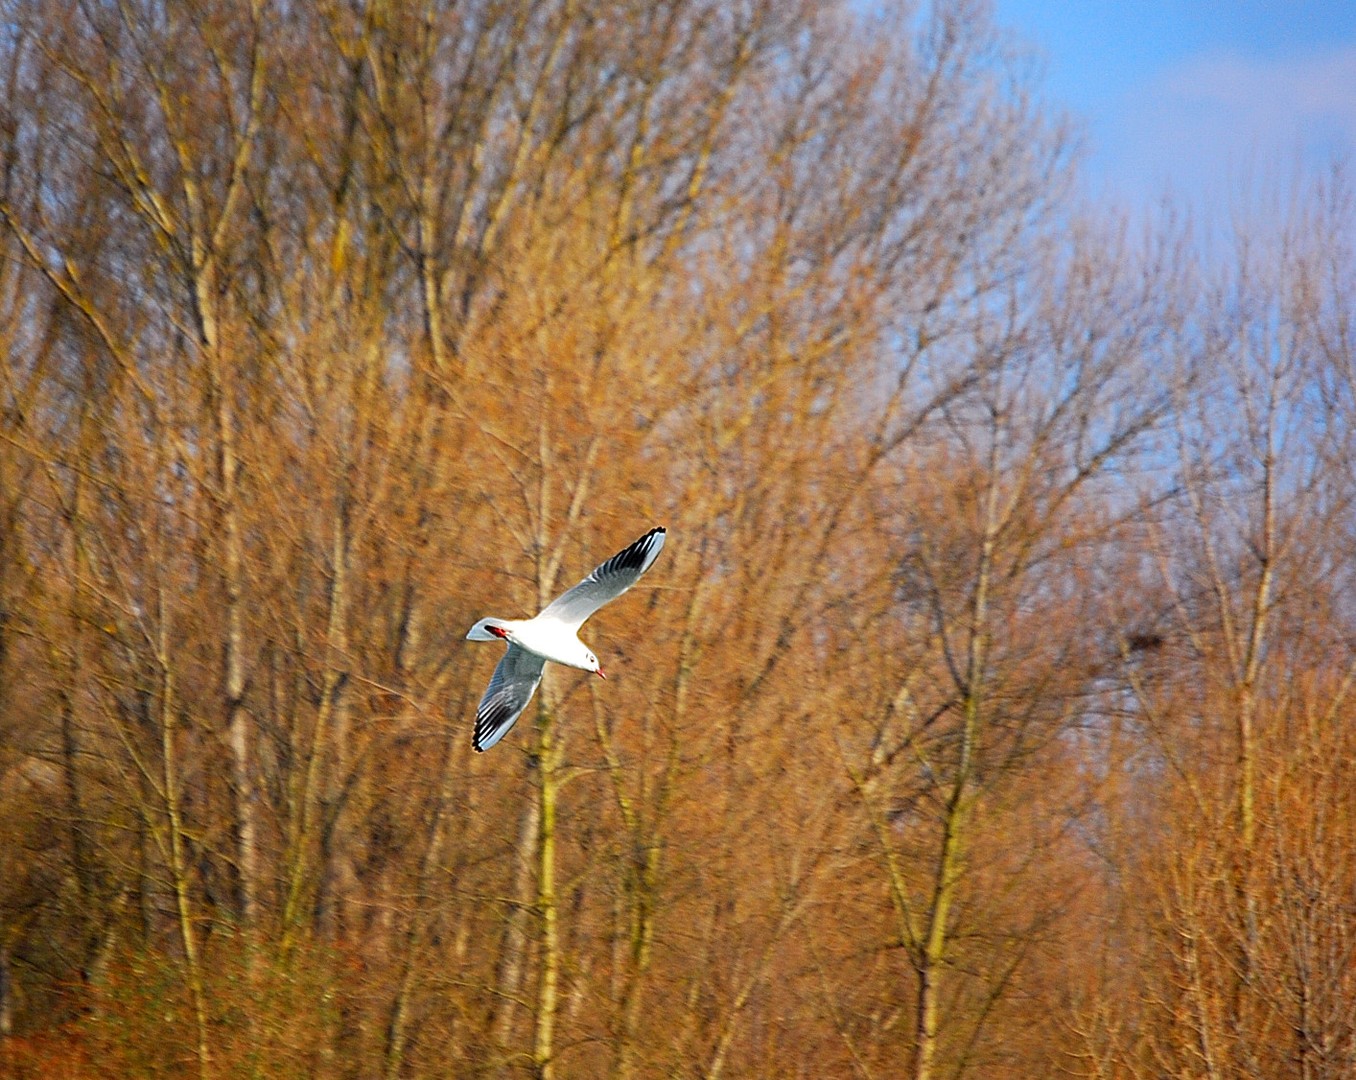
(552, 635)
(551, 640)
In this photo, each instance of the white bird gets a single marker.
(552, 635)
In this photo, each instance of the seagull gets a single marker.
(552, 635)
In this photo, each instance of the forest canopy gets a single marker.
(989, 713)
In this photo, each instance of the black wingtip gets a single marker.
(633, 556)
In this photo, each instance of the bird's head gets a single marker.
(591, 664)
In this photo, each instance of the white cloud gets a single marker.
(1204, 123)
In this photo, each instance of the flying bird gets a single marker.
(552, 635)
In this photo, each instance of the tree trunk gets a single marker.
(547, 909)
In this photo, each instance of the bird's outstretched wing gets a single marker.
(607, 582)
(511, 687)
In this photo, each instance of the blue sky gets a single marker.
(1195, 95)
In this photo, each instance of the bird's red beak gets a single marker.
(600, 674)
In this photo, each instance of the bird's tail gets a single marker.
(482, 632)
